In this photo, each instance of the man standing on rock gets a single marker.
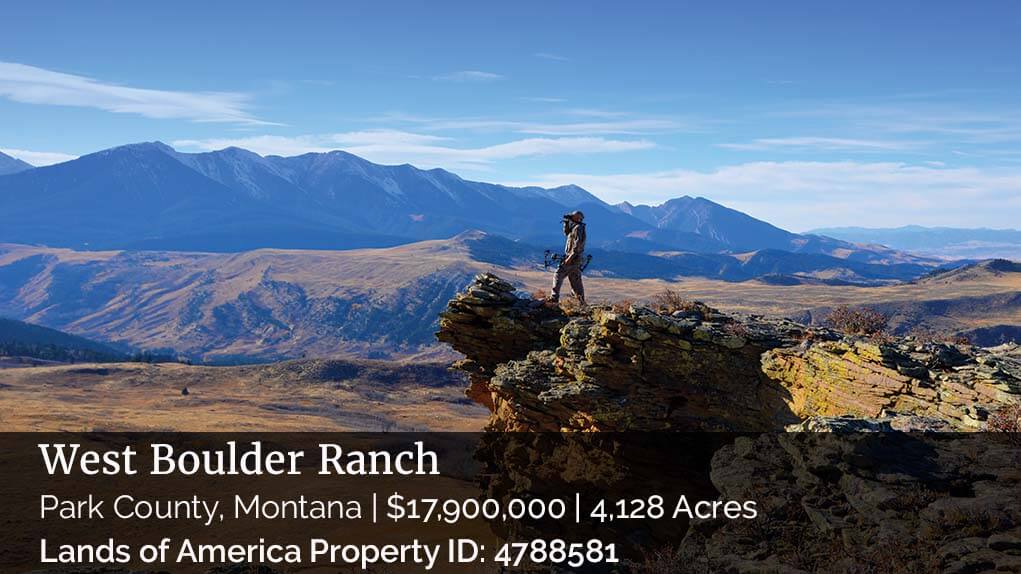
(574, 253)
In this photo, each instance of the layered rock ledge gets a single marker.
(844, 501)
(615, 368)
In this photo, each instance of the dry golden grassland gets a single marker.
(148, 397)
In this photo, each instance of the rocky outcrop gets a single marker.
(958, 384)
(490, 325)
(864, 502)
(609, 369)
(836, 490)
(615, 368)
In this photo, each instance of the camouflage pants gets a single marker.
(573, 274)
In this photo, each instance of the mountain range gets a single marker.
(714, 223)
(946, 242)
(150, 196)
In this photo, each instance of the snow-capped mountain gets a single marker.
(149, 195)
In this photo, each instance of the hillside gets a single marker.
(981, 271)
(272, 304)
(265, 304)
(999, 314)
(20, 339)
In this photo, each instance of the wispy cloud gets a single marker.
(38, 158)
(914, 127)
(621, 127)
(598, 113)
(469, 76)
(932, 120)
(802, 195)
(392, 146)
(553, 57)
(810, 143)
(605, 126)
(543, 100)
(31, 85)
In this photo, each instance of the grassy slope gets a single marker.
(18, 338)
(383, 302)
(266, 303)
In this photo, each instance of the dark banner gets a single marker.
(455, 502)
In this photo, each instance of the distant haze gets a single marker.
(939, 241)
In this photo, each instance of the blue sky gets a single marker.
(806, 114)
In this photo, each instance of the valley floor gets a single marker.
(291, 396)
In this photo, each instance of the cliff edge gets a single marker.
(694, 368)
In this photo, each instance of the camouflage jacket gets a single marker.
(574, 247)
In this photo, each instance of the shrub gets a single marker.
(863, 321)
(572, 307)
(668, 301)
(621, 306)
(925, 336)
(1006, 419)
(737, 329)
